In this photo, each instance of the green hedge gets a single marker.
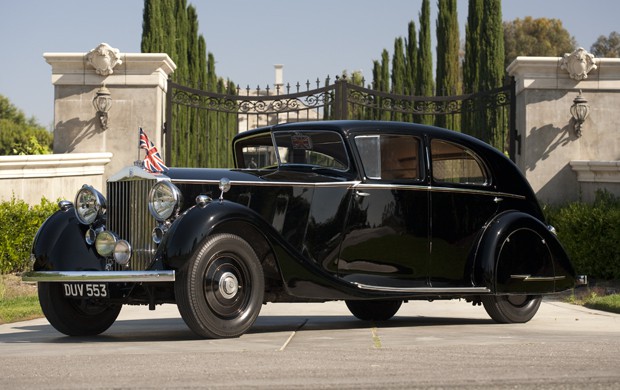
(19, 223)
(590, 233)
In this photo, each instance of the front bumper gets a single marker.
(100, 276)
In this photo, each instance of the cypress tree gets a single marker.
(472, 121)
(385, 80)
(398, 67)
(425, 84)
(471, 72)
(398, 73)
(411, 59)
(447, 78)
(171, 26)
(492, 46)
(492, 69)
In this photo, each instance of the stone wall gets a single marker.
(54, 177)
(561, 164)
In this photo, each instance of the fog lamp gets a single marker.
(104, 244)
(122, 252)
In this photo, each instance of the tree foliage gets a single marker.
(448, 68)
(19, 135)
(536, 37)
(607, 47)
(425, 85)
(473, 32)
(199, 137)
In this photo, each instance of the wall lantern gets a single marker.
(580, 111)
(102, 103)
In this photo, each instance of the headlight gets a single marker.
(164, 200)
(89, 204)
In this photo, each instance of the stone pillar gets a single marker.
(137, 83)
(551, 153)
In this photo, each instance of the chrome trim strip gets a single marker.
(530, 278)
(356, 184)
(99, 276)
(271, 183)
(432, 290)
(437, 189)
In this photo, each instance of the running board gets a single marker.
(99, 276)
(426, 290)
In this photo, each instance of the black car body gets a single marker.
(372, 213)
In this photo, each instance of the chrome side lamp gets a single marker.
(102, 103)
(580, 111)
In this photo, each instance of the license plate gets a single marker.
(85, 290)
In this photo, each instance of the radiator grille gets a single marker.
(129, 217)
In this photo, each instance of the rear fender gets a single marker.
(519, 255)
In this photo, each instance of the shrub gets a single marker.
(19, 223)
(590, 233)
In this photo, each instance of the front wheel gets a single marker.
(75, 317)
(507, 309)
(220, 291)
(374, 310)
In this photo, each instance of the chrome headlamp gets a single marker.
(165, 200)
(90, 204)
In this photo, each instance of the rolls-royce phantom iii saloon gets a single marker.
(371, 213)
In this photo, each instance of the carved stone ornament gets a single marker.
(578, 64)
(104, 58)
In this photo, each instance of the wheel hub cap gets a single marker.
(229, 285)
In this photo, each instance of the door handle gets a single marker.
(361, 194)
(497, 200)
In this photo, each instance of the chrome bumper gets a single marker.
(99, 276)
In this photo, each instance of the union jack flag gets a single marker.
(152, 161)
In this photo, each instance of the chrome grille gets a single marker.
(129, 217)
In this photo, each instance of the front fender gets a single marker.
(59, 245)
(196, 224)
(518, 254)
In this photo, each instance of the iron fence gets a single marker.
(200, 124)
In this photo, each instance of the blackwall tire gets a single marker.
(508, 309)
(75, 317)
(374, 310)
(220, 291)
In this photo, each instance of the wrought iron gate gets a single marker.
(200, 124)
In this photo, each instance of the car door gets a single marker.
(462, 202)
(386, 236)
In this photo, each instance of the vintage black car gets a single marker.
(371, 213)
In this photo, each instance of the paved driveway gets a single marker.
(440, 344)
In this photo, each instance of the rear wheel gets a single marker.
(75, 317)
(220, 291)
(508, 309)
(374, 310)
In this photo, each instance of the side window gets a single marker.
(453, 163)
(390, 157)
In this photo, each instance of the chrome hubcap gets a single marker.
(229, 285)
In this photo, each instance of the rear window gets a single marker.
(452, 163)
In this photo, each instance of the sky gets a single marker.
(312, 38)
